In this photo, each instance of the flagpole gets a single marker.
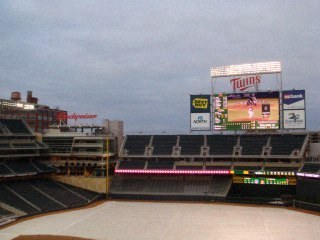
(107, 169)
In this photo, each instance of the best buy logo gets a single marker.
(200, 103)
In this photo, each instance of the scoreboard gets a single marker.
(246, 111)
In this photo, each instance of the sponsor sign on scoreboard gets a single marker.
(200, 113)
(200, 121)
(293, 99)
(294, 119)
(294, 113)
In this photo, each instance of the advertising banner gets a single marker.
(293, 99)
(294, 119)
(200, 103)
(200, 122)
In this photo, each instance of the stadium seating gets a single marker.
(30, 193)
(308, 190)
(221, 144)
(13, 199)
(161, 164)
(34, 196)
(42, 168)
(257, 192)
(253, 144)
(163, 144)
(21, 167)
(136, 144)
(191, 144)
(4, 170)
(15, 126)
(132, 165)
(59, 193)
(286, 144)
(310, 167)
(177, 187)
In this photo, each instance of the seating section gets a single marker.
(163, 144)
(43, 168)
(161, 164)
(253, 144)
(310, 167)
(42, 195)
(59, 193)
(132, 164)
(136, 144)
(15, 126)
(31, 194)
(256, 191)
(284, 169)
(4, 170)
(11, 198)
(218, 167)
(171, 185)
(189, 167)
(191, 144)
(254, 168)
(308, 190)
(25, 145)
(221, 145)
(21, 167)
(286, 144)
(12, 168)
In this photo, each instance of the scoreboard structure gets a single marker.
(244, 109)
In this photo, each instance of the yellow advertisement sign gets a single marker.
(200, 103)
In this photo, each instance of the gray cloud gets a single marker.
(138, 60)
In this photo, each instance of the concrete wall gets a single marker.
(96, 184)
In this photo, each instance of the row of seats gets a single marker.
(41, 195)
(25, 167)
(177, 185)
(217, 144)
(142, 164)
(13, 126)
(311, 167)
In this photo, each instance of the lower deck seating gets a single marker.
(310, 167)
(260, 192)
(204, 186)
(42, 195)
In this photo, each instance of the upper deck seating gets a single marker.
(136, 144)
(286, 144)
(163, 144)
(253, 144)
(15, 126)
(221, 144)
(191, 144)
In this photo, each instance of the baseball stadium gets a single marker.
(247, 169)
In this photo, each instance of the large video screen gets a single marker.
(246, 111)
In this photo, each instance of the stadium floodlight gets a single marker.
(246, 69)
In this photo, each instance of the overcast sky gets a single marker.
(138, 61)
